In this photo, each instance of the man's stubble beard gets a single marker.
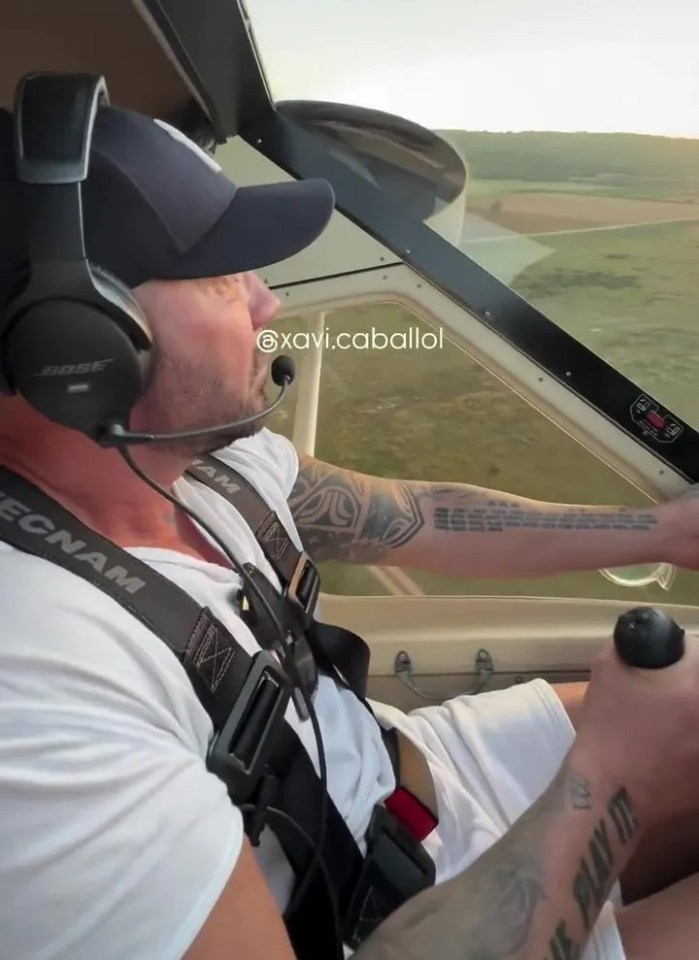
(162, 418)
(217, 440)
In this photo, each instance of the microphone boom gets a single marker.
(282, 372)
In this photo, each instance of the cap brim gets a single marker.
(263, 225)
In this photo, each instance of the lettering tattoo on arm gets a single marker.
(356, 518)
(562, 946)
(594, 877)
(593, 880)
(580, 792)
(490, 911)
(498, 516)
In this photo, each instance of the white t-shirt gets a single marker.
(115, 841)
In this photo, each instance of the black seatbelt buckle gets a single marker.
(304, 587)
(256, 604)
(396, 868)
(256, 819)
(239, 753)
(291, 646)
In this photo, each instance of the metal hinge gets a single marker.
(403, 667)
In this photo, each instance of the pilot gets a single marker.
(568, 815)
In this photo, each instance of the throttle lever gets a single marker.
(647, 638)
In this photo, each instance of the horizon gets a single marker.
(573, 133)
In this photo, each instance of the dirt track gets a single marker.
(533, 212)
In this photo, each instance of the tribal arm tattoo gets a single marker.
(463, 530)
(352, 517)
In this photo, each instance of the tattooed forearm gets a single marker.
(524, 898)
(347, 516)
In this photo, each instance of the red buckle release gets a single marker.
(412, 814)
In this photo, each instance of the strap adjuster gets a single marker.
(239, 753)
(304, 585)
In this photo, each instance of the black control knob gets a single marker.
(647, 638)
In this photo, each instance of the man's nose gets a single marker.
(263, 304)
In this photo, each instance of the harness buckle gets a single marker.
(256, 819)
(396, 868)
(290, 644)
(304, 587)
(239, 753)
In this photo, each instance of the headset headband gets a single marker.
(54, 122)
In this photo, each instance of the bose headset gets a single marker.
(59, 330)
(74, 342)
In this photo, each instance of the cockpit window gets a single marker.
(567, 156)
(397, 399)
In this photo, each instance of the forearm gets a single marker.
(536, 893)
(472, 531)
(463, 530)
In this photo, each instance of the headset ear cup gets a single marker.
(130, 315)
(76, 344)
(82, 363)
(18, 287)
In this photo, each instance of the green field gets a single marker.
(633, 190)
(630, 294)
(627, 164)
(496, 188)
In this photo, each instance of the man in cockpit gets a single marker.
(115, 840)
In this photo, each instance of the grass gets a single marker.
(630, 295)
(646, 166)
(492, 189)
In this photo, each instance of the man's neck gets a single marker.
(94, 484)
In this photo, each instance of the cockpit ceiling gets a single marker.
(108, 37)
(191, 63)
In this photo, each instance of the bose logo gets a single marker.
(68, 369)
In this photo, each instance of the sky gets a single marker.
(595, 65)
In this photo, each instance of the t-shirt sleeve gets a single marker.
(267, 453)
(116, 840)
(119, 837)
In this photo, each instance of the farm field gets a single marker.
(531, 212)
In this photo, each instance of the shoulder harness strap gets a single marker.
(227, 680)
(338, 651)
(254, 750)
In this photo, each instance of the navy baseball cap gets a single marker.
(156, 206)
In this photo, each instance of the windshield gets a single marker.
(576, 130)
